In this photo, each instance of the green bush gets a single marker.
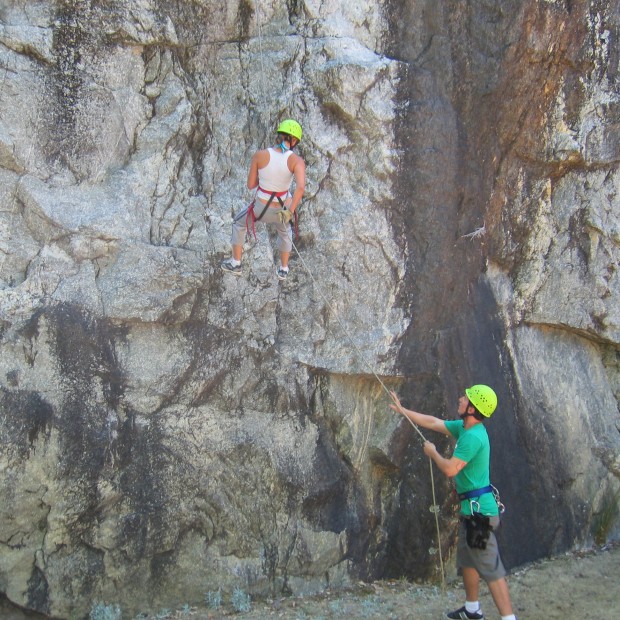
(241, 600)
(213, 599)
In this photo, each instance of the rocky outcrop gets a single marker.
(169, 430)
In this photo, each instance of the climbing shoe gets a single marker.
(281, 273)
(463, 614)
(228, 265)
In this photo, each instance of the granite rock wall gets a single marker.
(167, 429)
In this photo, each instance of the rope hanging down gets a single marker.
(434, 508)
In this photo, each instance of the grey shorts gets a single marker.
(285, 231)
(486, 561)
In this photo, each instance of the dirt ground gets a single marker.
(577, 585)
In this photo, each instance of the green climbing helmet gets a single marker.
(291, 128)
(483, 398)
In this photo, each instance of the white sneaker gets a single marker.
(227, 265)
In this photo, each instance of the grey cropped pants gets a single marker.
(285, 231)
(487, 561)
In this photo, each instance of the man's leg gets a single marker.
(471, 581)
(501, 596)
(237, 251)
(284, 258)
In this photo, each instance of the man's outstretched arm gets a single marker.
(420, 419)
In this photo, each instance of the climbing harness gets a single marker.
(475, 492)
(477, 526)
(478, 492)
(251, 218)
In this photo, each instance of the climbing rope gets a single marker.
(434, 508)
(260, 51)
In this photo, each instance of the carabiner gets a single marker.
(498, 501)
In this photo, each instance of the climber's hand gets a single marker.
(285, 216)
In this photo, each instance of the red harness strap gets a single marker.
(273, 194)
(296, 225)
(251, 219)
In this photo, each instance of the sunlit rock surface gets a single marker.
(167, 429)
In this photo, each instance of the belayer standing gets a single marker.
(477, 551)
(272, 171)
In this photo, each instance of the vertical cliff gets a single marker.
(166, 429)
(507, 203)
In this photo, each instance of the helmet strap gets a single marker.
(466, 414)
(287, 142)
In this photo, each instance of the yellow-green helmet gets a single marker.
(483, 398)
(291, 128)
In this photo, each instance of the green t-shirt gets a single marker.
(473, 447)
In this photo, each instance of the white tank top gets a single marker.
(275, 176)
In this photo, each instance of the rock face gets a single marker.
(167, 429)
